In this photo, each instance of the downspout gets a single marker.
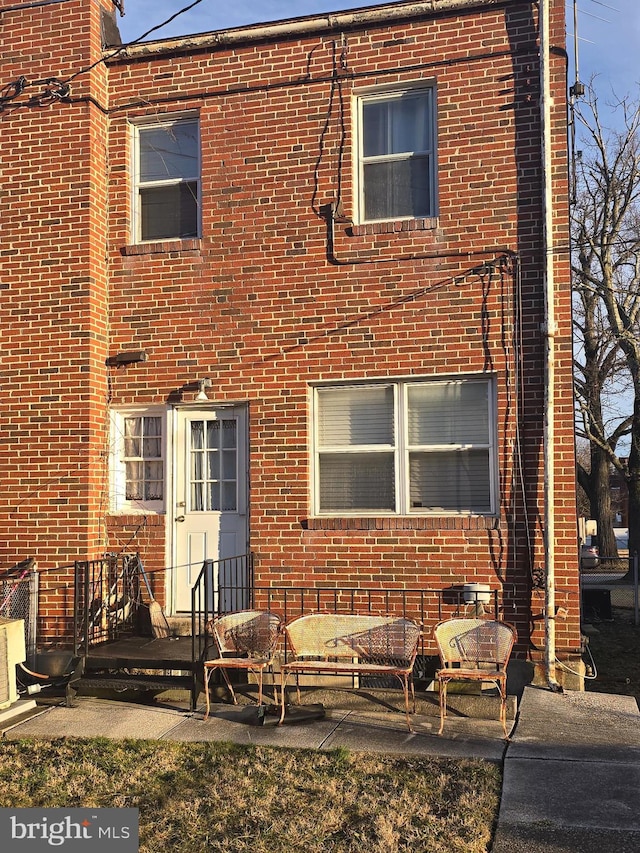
(549, 332)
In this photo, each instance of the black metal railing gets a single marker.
(227, 585)
(223, 586)
(106, 599)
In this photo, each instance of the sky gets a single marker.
(608, 30)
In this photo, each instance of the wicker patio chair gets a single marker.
(474, 650)
(244, 640)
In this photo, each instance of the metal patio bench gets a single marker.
(245, 640)
(351, 644)
(474, 650)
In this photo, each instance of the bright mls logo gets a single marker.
(35, 830)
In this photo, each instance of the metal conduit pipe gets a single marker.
(549, 332)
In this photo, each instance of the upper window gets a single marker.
(396, 155)
(138, 475)
(167, 188)
(405, 447)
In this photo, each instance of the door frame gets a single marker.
(172, 509)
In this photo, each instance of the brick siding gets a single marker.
(265, 304)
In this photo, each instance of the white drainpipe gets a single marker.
(549, 330)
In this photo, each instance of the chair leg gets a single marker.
(260, 686)
(406, 702)
(503, 710)
(443, 703)
(283, 682)
(229, 685)
(207, 676)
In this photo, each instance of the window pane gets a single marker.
(134, 489)
(229, 501)
(132, 437)
(410, 124)
(397, 126)
(214, 496)
(397, 188)
(213, 434)
(197, 435)
(355, 416)
(357, 481)
(214, 464)
(455, 481)
(196, 466)
(229, 433)
(229, 464)
(169, 152)
(170, 211)
(152, 442)
(449, 413)
(197, 499)
(375, 120)
(153, 475)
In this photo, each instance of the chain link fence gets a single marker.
(608, 583)
(19, 600)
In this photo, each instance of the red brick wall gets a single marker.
(261, 306)
(53, 311)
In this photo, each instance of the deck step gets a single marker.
(120, 681)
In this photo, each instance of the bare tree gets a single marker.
(606, 279)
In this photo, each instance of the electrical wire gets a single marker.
(580, 674)
(123, 47)
(57, 89)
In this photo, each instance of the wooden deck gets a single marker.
(142, 653)
(139, 663)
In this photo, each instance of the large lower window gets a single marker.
(405, 447)
(138, 470)
(167, 187)
(396, 155)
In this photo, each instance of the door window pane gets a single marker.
(213, 466)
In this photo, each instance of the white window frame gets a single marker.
(138, 185)
(428, 91)
(119, 502)
(401, 448)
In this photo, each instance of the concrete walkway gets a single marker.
(571, 770)
(571, 776)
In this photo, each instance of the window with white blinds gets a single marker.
(405, 447)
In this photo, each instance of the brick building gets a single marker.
(279, 289)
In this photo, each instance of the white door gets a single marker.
(210, 515)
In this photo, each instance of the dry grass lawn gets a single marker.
(196, 797)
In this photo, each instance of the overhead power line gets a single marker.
(57, 89)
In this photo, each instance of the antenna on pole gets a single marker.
(577, 90)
